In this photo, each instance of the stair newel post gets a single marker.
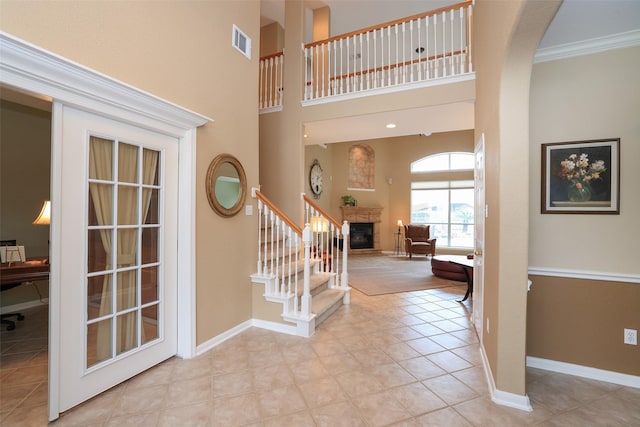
(345, 251)
(306, 296)
(260, 207)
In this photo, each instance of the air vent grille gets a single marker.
(241, 42)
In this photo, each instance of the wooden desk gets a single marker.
(20, 272)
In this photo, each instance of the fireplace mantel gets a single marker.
(357, 214)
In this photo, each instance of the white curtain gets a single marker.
(101, 167)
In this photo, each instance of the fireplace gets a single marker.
(364, 228)
(361, 235)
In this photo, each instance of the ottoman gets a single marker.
(441, 267)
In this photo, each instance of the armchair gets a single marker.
(416, 240)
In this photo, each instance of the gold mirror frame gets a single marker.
(213, 173)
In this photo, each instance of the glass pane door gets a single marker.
(122, 281)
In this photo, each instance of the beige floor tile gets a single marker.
(299, 419)
(392, 375)
(343, 414)
(449, 361)
(187, 416)
(235, 410)
(136, 420)
(482, 412)
(417, 399)
(372, 357)
(232, 384)
(189, 392)
(280, 401)
(401, 351)
(35, 416)
(26, 375)
(357, 383)
(308, 370)
(322, 392)
(425, 346)
(369, 364)
(422, 368)
(450, 389)
(446, 417)
(380, 409)
(271, 377)
(146, 398)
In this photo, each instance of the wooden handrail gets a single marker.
(390, 23)
(273, 55)
(295, 227)
(322, 211)
(392, 66)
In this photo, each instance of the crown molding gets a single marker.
(33, 69)
(588, 47)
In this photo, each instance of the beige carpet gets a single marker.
(385, 274)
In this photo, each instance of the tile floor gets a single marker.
(406, 359)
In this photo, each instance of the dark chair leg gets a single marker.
(11, 325)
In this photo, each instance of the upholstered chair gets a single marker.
(417, 241)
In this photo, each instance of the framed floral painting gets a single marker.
(581, 177)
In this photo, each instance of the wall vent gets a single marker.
(241, 42)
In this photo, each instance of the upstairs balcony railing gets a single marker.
(271, 81)
(409, 51)
(412, 50)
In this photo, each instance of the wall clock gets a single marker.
(315, 179)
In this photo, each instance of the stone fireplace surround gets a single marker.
(357, 214)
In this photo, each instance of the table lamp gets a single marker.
(44, 217)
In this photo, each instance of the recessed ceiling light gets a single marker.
(391, 125)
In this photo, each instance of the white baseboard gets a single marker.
(500, 397)
(275, 327)
(263, 324)
(584, 371)
(24, 305)
(213, 342)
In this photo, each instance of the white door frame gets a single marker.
(29, 68)
(479, 221)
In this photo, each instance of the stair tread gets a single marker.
(325, 299)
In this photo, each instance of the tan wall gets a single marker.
(582, 321)
(506, 35)
(575, 320)
(180, 51)
(393, 160)
(271, 39)
(25, 165)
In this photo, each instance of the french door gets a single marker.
(118, 253)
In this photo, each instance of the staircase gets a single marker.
(302, 269)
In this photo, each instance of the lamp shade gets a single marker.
(319, 224)
(399, 223)
(44, 217)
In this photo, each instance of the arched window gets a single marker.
(447, 205)
(443, 162)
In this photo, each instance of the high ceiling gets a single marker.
(576, 21)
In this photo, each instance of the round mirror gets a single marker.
(226, 185)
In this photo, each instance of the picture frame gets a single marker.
(581, 177)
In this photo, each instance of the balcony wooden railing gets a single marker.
(271, 81)
(412, 50)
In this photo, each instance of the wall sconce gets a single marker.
(44, 217)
